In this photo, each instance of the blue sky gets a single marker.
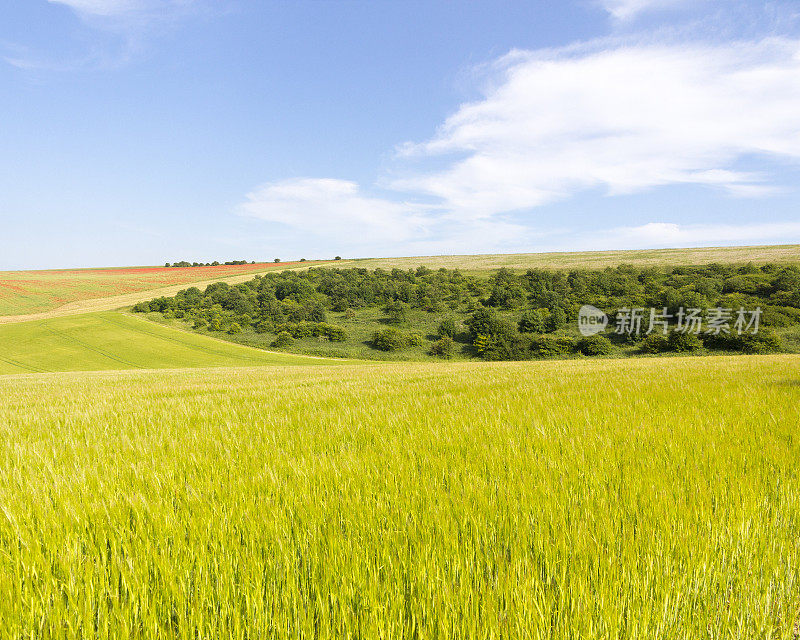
(141, 131)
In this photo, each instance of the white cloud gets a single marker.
(624, 10)
(664, 234)
(623, 119)
(336, 209)
(552, 124)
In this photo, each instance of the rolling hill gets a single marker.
(110, 340)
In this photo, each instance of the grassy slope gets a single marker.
(115, 341)
(604, 499)
(28, 292)
(594, 259)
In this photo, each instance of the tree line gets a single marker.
(505, 316)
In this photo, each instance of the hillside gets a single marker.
(595, 259)
(111, 340)
(35, 292)
(31, 295)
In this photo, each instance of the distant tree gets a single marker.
(302, 259)
(338, 258)
(277, 260)
(167, 264)
(215, 263)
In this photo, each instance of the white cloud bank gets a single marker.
(555, 123)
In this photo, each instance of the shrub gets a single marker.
(349, 314)
(533, 322)
(141, 307)
(234, 328)
(283, 339)
(761, 342)
(265, 326)
(596, 345)
(332, 332)
(484, 322)
(684, 342)
(655, 343)
(557, 319)
(414, 339)
(551, 346)
(388, 339)
(199, 323)
(443, 347)
(215, 324)
(396, 312)
(448, 328)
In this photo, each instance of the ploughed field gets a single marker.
(556, 499)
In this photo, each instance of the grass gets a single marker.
(112, 340)
(28, 292)
(593, 259)
(603, 499)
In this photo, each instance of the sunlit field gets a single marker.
(102, 341)
(24, 292)
(573, 499)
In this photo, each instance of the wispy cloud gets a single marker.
(623, 119)
(666, 234)
(554, 123)
(102, 7)
(336, 209)
(119, 32)
(625, 10)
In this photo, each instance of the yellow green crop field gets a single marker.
(786, 254)
(111, 340)
(576, 499)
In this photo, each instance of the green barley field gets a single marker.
(572, 499)
(109, 340)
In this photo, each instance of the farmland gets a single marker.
(115, 341)
(72, 291)
(595, 499)
(593, 259)
(28, 292)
